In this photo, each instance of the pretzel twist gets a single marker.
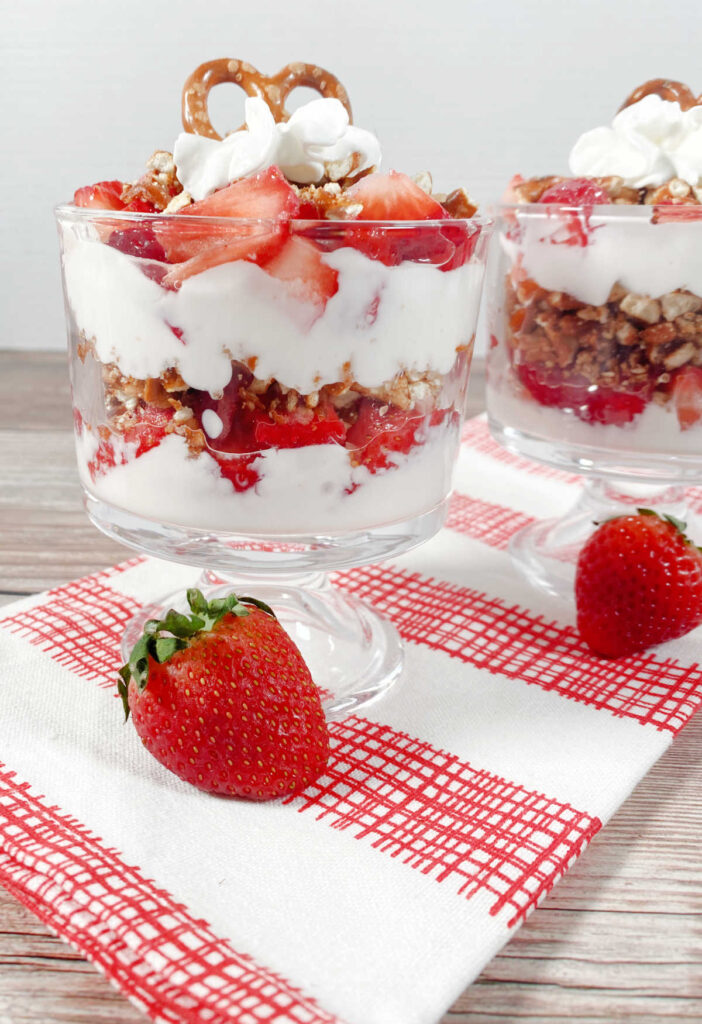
(667, 89)
(273, 90)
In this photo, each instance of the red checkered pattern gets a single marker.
(488, 634)
(476, 434)
(172, 966)
(484, 521)
(694, 499)
(79, 625)
(437, 814)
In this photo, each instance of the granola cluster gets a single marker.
(631, 343)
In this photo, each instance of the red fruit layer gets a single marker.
(552, 387)
(147, 428)
(254, 421)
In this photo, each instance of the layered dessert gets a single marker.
(597, 300)
(269, 334)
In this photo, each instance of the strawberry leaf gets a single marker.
(181, 625)
(162, 638)
(123, 689)
(677, 523)
(164, 647)
(259, 604)
(197, 601)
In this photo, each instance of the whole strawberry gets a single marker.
(223, 699)
(638, 583)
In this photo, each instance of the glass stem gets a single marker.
(307, 581)
(604, 497)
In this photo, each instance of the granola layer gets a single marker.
(632, 346)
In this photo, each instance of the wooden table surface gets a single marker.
(620, 938)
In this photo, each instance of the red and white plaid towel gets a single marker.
(446, 813)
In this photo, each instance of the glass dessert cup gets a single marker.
(286, 403)
(595, 363)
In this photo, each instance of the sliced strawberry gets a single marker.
(310, 211)
(393, 245)
(149, 429)
(687, 396)
(255, 244)
(141, 206)
(511, 193)
(262, 196)
(300, 264)
(394, 196)
(138, 240)
(265, 196)
(463, 236)
(238, 420)
(300, 428)
(380, 430)
(576, 192)
(105, 195)
(103, 459)
(611, 407)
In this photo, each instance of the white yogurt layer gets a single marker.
(645, 258)
(237, 311)
(301, 490)
(654, 431)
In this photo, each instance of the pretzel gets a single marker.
(273, 90)
(667, 89)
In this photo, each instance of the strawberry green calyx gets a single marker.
(162, 638)
(679, 524)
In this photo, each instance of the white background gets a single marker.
(472, 90)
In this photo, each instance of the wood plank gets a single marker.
(620, 937)
(35, 391)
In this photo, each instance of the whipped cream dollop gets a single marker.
(649, 143)
(317, 142)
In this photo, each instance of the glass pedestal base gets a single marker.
(353, 654)
(547, 552)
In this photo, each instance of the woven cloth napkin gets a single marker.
(446, 813)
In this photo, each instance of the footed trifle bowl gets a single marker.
(595, 323)
(595, 362)
(272, 399)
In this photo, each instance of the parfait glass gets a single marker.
(284, 403)
(595, 363)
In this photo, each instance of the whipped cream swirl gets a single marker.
(649, 143)
(317, 142)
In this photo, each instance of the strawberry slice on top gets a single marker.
(395, 197)
(104, 195)
(266, 197)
